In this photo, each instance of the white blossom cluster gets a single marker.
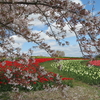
(22, 80)
(8, 74)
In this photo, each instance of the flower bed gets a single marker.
(95, 62)
(40, 60)
(18, 75)
(76, 70)
(71, 59)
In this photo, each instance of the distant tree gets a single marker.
(60, 53)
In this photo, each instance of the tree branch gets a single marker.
(9, 28)
(33, 3)
(75, 35)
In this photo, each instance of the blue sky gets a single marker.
(72, 50)
(96, 5)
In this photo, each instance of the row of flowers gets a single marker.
(95, 62)
(16, 75)
(40, 60)
(75, 69)
(71, 58)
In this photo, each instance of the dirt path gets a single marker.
(76, 93)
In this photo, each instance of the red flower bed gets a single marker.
(95, 62)
(32, 69)
(40, 60)
(64, 78)
(18, 73)
(70, 59)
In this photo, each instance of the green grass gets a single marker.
(84, 62)
(48, 67)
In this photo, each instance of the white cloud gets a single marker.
(46, 37)
(38, 52)
(69, 33)
(70, 50)
(77, 1)
(19, 41)
(52, 43)
(43, 35)
(36, 21)
(56, 30)
(1, 49)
